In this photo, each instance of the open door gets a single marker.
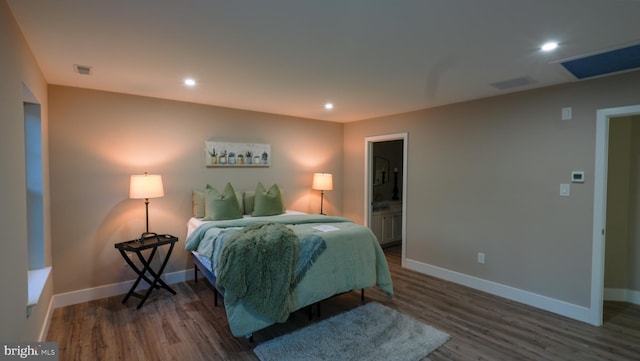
(603, 117)
(385, 188)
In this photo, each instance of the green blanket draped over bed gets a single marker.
(257, 265)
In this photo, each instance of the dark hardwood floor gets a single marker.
(482, 327)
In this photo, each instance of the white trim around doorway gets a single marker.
(600, 205)
(368, 147)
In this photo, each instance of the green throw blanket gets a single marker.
(257, 265)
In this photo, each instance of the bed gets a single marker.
(333, 256)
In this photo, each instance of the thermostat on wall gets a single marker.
(577, 177)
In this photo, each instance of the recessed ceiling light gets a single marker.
(328, 106)
(549, 46)
(189, 82)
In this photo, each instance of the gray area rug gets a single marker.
(369, 332)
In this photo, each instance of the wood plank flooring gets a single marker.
(482, 327)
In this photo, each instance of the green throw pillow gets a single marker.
(248, 198)
(197, 203)
(267, 203)
(220, 206)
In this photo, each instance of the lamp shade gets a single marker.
(322, 181)
(146, 186)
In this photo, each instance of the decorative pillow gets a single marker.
(197, 202)
(267, 203)
(249, 199)
(220, 206)
(240, 201)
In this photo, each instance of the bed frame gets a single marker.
(199, 266)
(211, 278)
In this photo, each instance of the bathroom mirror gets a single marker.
(380, 171)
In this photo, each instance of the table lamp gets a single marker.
(144, 187)
(322, 182)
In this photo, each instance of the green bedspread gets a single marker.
(352, 260)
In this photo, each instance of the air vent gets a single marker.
(82, 69)
(609, 62)
(513, 83)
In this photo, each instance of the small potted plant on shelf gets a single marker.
(214, 156)
(223, 157)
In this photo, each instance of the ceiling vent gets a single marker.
(513, 83)
(609, 62)
(82, 69)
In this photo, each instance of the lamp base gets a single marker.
(322, 203)
(146, 235)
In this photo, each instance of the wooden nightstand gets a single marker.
(150, 241)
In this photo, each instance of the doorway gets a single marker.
(603, 118)
(385, 188)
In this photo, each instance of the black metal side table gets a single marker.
(148, 241)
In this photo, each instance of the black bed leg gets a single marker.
(215, 298)
(195, 274)
(362, 295)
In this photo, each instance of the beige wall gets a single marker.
(18, 68)
(484, 176)
(98, 139)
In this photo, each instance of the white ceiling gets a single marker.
(370, 58)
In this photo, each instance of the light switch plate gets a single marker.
(565, 190)
(566, 113)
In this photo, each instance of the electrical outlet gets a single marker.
(481, 257)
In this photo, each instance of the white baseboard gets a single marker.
(622, 295)
(563, 308)
(47, 321)
(114, 289)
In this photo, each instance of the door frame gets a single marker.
(368, 182)
(603, 117)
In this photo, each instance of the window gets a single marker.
(35, 210)
(37, 272)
